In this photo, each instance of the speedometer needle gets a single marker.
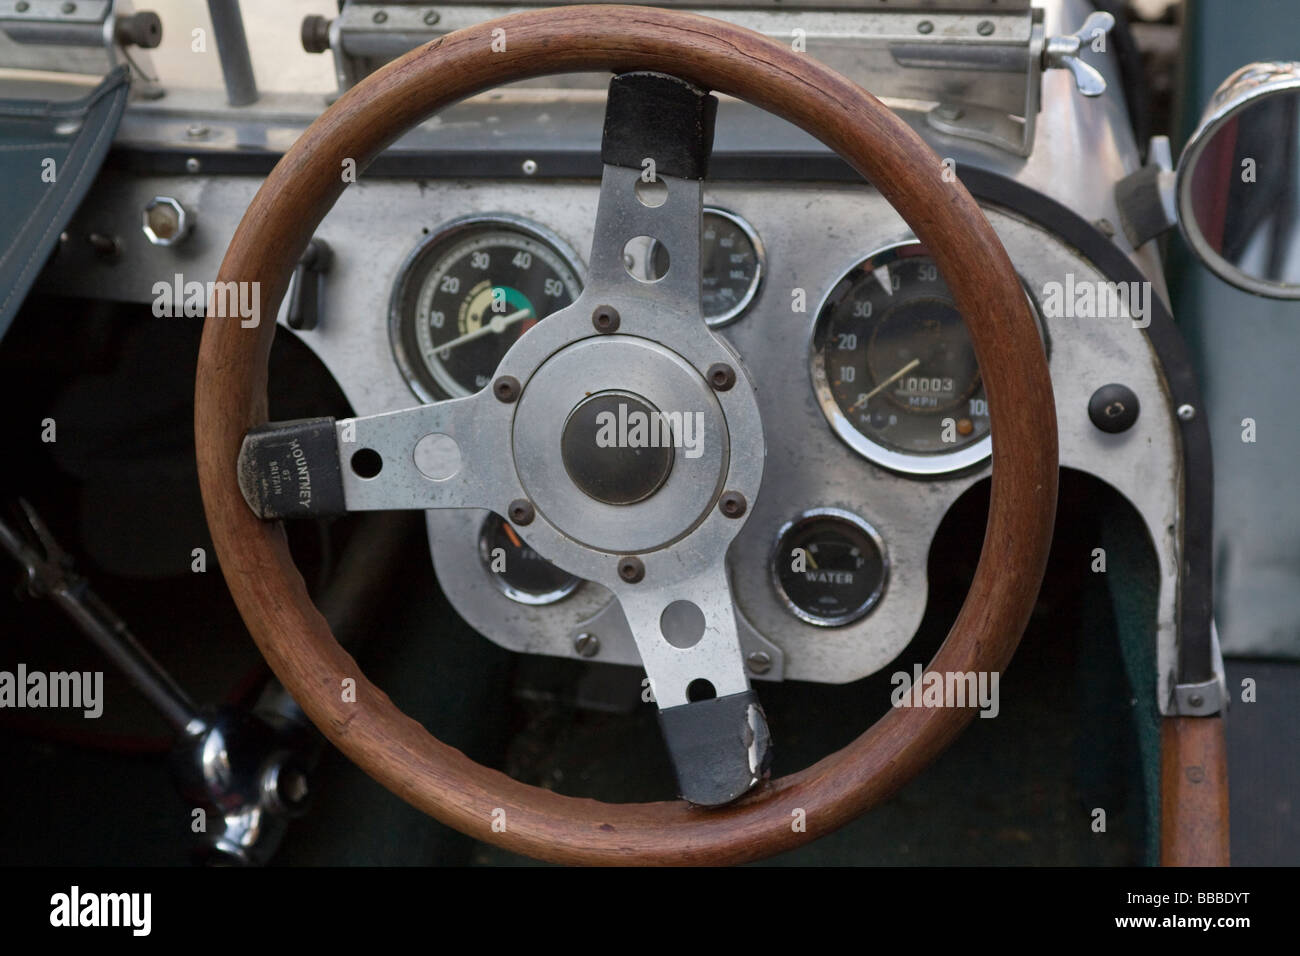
(498, 324)
(889, 381)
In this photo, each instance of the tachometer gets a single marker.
(467, 294)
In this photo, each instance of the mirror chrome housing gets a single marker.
(1237, 187)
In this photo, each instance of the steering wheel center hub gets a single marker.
(618, 448)
(620, 443)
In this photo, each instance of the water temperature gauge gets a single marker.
(829, 567)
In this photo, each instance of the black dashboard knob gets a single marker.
(1113, 408)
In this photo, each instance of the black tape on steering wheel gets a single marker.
(659, 117)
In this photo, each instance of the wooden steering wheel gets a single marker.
(710, 741)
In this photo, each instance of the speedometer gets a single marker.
(467, 293)
(893, 366)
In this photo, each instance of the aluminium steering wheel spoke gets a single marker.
(684, 626)
(658, 137)
(452, 454)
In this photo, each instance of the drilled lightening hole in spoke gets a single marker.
(682, 624)
(700, 689)
(651, 194)
(437, 457)
(645, 258)
(366, 463)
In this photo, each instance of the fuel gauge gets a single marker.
(521, 573)
(829, 567)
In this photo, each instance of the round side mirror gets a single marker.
(1238, 181)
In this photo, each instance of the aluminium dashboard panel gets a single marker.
(812, 234)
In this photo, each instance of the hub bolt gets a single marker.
(506, 388)
(733, 504)
(721, 376)
(521, 511)
(605, 319)
(631, 569)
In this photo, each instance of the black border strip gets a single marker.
(1196, 593)
(1195, 600)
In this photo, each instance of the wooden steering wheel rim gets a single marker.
(230, 398)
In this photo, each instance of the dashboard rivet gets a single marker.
(925, 26)
(985, 28)
(431, 17)
(733, 504)
(605, 318)
(506, 389)
(530, 167)
(587, 645)
(760, 662)
(521, 511)
(721, 376)
(631, 569)
(1186, 412)
(380, 17)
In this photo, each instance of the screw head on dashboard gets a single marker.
(760, 662)
(630, 569)
(521, 511)
(605, 319)
(721, 376)
(506, 388)
(586, 644)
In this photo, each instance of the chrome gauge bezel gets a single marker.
(409, 365)
(848, 517)
(760, 266)
(918, 465)
(539, 599)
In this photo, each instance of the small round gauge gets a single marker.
(829, 567)
(893, 366)
(467, 293)
(731, 266)
(521, 573)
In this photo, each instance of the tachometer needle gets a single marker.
(498, 324)
(889, 381)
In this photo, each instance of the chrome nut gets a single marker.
(166, 222)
